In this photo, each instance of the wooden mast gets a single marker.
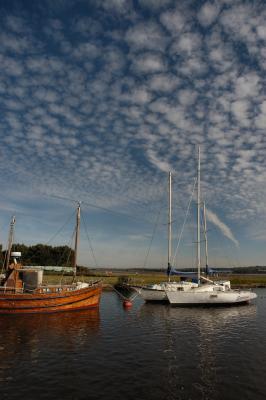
(10, 241)
(76, 242)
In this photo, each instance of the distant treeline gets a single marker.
(41, 254)
(258, 269)
(249, 270)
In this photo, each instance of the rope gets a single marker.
(122, 296)
(153, 234)
(90, 244)
(70, 245)
(141, 219)
(60, 230)
(185, 220)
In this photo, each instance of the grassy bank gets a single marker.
(247, 280)
(141, 279)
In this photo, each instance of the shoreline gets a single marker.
(110, 288)
(108, 281)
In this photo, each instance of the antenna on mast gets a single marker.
(10, 241)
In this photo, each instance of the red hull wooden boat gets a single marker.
(69, 298)
(21, 290)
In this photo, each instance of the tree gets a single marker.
(45, 255)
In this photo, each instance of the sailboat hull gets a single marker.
(210, 298)
(24, 303)
(157, 291)
(152, 295)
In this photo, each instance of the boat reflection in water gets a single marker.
(211, 316)
(33, 338)
(201, 347)
(68, 324)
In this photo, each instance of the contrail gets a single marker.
(223, 228)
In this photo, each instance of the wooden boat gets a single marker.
(22, 291)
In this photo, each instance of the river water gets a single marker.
(148, 352)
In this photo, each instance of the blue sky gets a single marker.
(100, 99)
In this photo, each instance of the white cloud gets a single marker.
(121, 6)
(240, 111)
(148, 63)
(87, 25)
(147, 36)
(157, 162)
(187, 97)
(260, 121)
(10, 66)
(186, 44)
(247, 85)
(226, 231)
(261, 30)
(86, 50)
(173, 21)
(164, 82)
(13, 43)
(192, 66)
(208, 13)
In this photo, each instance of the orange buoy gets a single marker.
(127, 303)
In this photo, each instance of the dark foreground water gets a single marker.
(150, 352)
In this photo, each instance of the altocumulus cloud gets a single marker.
(100, 99)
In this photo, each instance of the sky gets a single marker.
(100, 99)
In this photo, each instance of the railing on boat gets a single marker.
(56, 288)
(10, 289)
(45, 289)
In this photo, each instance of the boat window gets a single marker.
(218, 288)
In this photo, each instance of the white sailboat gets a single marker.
(157, 292)
(207, 292)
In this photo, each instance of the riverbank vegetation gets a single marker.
(41, 254)
(45, 255)
(111, 279)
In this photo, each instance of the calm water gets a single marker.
(149, 352)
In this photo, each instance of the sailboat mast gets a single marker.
(169, 223)
(198, 217)
(76, 241)
(10, 241)
(206, 238)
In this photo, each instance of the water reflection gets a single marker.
(204, 315)
(150, 352)
(27, 326)
(29, 338)
(196, 339)
(212, 328)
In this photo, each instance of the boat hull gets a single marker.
(157, 292)
(24, 303)
(152, 295)
(209, 298)
(125, 290)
